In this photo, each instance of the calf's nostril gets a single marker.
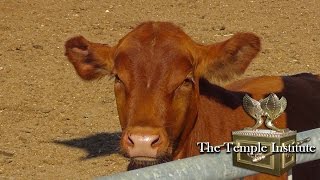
(155, 141)
(130, 141)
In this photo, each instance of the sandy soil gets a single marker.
(53, 125)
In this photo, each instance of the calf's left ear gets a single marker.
(91, 60)
(222, 61)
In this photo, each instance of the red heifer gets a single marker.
(166, 105)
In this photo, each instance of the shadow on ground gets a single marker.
(96, 145)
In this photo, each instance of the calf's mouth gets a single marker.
(142, 161)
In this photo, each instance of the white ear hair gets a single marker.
(80, 51)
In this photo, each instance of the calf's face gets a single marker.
(156, 68)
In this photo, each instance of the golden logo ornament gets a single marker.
(272, 153)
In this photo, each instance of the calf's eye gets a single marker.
(188, 82)
(117, 79)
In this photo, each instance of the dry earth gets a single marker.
(53, 125)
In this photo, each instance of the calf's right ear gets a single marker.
(91, 60)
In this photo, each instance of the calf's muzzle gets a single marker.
(142, 145)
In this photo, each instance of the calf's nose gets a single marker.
(140, 145)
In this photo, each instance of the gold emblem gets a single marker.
(269, 161)
(271, 108)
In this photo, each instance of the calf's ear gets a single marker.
(225, 60)
(91, 60)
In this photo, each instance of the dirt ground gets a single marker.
(53, 125)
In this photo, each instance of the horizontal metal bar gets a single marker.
(210, 166)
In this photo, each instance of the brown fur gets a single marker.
(160, 89)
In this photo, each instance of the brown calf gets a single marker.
(166, 105)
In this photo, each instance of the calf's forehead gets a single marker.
(153, 59)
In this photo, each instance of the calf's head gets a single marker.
(156, 68)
